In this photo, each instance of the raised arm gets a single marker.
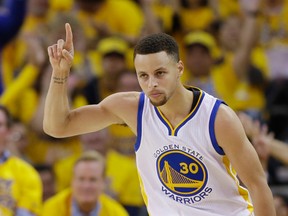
(243, 157)
(59, 119)
(249, 36)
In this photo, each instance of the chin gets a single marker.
(88, 203)
(158, 103)
(87, 200)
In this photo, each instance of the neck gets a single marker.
(178, 106)
(86, 208)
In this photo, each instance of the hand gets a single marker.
(262, 144)
(61, 54)
(250, 126)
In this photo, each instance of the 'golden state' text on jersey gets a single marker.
(183, 171)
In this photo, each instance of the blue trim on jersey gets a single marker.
(173, 131)
(217, 148)
(139, 121)
(163, 121)
(194, 111)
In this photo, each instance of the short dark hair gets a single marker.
(155, 43)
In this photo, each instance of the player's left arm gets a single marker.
(243, 157)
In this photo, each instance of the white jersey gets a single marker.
(182, 170)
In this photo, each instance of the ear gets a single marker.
(180, 66)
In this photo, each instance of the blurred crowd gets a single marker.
(236, 50)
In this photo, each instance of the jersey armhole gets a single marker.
(139, 121)
(215, 144)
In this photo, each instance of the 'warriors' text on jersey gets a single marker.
(183, 169)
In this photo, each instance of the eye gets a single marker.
(143, 76)
(159, 73)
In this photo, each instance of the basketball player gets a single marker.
(189, 144)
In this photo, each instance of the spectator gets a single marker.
(123, 174)
(48, 180)
(92, 141)
(112, 55)
(200, 54)
(242, 71)
(196, 8)
(86, 196)
(21, 188)
(18, 140)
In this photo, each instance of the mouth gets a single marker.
(154, 94)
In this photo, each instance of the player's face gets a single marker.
(158, 75)
(88, 183)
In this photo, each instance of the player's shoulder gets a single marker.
(226, 118)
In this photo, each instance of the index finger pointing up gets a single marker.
(69, 36)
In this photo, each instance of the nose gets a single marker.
(152, 82)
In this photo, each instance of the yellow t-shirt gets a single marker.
(122, 170)
(239, 95)
(25, 80)
(20, 187)
(12, 59)
(63, 5)
(123, 139)
(196, 19)
(121, 17)
(42, 150)
(165, 13)
(60, 205)
(228, 7)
